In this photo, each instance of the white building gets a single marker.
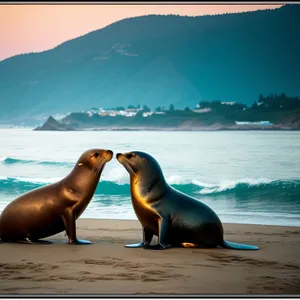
(202, 110)
(253, 123)
(129, 112)
(228, 103)
(146, 114)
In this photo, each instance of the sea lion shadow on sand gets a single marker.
(177, 219)
(54, 208)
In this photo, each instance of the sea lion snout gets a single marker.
(124, 159)
(118, 156)
(108, 154)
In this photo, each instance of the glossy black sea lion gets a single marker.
(176, 218)
(53, 208)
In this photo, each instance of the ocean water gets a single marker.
(246, 177)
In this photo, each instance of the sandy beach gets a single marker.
(106, 267)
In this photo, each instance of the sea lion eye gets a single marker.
(96, 154)
(130, 155)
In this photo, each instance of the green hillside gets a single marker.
(158, 60)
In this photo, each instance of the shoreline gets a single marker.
(177, 129)
(224, 223)
(166, 129)
(106, 267)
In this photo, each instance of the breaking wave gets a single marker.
(10, 161)
(117, 183)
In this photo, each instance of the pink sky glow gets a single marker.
(35, 28)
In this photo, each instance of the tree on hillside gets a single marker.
(131, 106)
(275, 102)
(158, 108)
(204, 104)
(146, 108)
(260, 98)
(187, 109)
(171, 107)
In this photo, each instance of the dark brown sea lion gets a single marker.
(53, 208)
(176, 218)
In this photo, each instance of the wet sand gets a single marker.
(106, 267)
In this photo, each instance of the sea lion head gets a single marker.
(145, 172)
(94, 160)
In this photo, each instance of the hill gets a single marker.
(158, 60)
(53, 125)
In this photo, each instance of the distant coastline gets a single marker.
(213, 127)
(274, 112)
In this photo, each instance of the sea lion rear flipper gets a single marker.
(70, 225)
(231, 245)
(189, 245)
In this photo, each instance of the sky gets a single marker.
(35, 28)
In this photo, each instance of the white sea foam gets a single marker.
(37, 180)
(118, 175)
(202, 184)
(231, 184)
(176, 179)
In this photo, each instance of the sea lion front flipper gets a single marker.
(163, 225)
(237, 246)
(81, 242)
(137, 245)
(157, 247)
(147, 238)
(23, 241)
(42, 242)
(70, 225)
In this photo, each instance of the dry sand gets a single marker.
(106, 267)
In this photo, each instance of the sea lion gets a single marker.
(176, 218)
(53, 208)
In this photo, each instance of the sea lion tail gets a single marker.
(237, 246)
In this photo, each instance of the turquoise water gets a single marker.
(246, 177)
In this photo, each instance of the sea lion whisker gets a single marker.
(100, 164)
(91, 171)
(94, 168)
(100, 169)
